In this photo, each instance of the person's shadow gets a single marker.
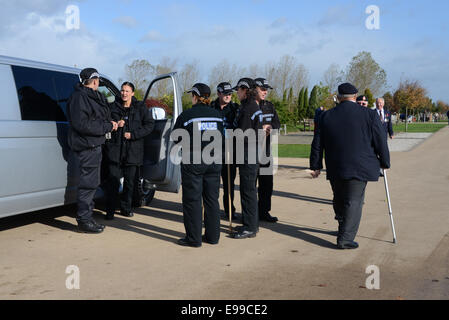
(301, 232)
(158, 209)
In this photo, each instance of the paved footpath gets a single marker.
(296, 258)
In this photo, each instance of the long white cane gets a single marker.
(389, 204)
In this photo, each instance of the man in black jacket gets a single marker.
(228, 110)
(89, 122)
(125, 150)
(271, 121)
(355, 147)
(385, 117)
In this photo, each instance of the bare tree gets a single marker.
(285, 74)
(139, 73)
(189, 75)
(332, 77)
(224, 72)
(163, 87)
(300, 78)
(254, 71)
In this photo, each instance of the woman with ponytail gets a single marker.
(200, 179)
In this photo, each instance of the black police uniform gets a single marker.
(126, 156)
(89, 120)
(249, 117)
(265, 189)
(355, 147)
(200, 182)
(228, 114)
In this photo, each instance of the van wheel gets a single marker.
(143, 194)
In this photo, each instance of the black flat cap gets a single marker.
(224, 88)
(201, 90)
(263, 83)
(347, 88)
(89, 73)
(245, 83)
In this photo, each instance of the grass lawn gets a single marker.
(294, 151)
(418, 127)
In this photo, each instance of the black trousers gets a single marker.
(201, 185)
(265, 191)
(116, 171)
(348, 203)
(90, 168)
(224, 177)
(248, 196)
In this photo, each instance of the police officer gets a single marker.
(125, 149)
(355, 146)
(89, 122)
(228, 110)
(265, 176)
(362, 100)
(249, 120)
(200, 181)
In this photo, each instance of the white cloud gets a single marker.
(279, 22)
(126, 21)
(338, 15)
(45, 38)
(152, 36)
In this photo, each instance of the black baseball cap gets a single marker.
(200, 89)
(245, 83)
(224, 88)
(89, 73)
(347, 88)
(263, 83)
(361, 98)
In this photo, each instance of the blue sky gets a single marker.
(412, 42)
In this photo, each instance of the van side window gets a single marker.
(43, 94)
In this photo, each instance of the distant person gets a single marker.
(228, 110)
(355, 148)
(447, 114)
(271, 121)
(318, 112)
(89, 121)
(125, 149)
(385, 117)
(362, 100)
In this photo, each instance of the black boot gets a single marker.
(127, 213)
(109, 216)
(89, 227)
(267, 217)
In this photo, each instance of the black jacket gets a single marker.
(228, 113)
(197, 120)
(249, 117)
(139, 123)
(89, 118)
(387, 124)
(271, 117)
(354, 143)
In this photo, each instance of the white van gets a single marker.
(37, 168)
